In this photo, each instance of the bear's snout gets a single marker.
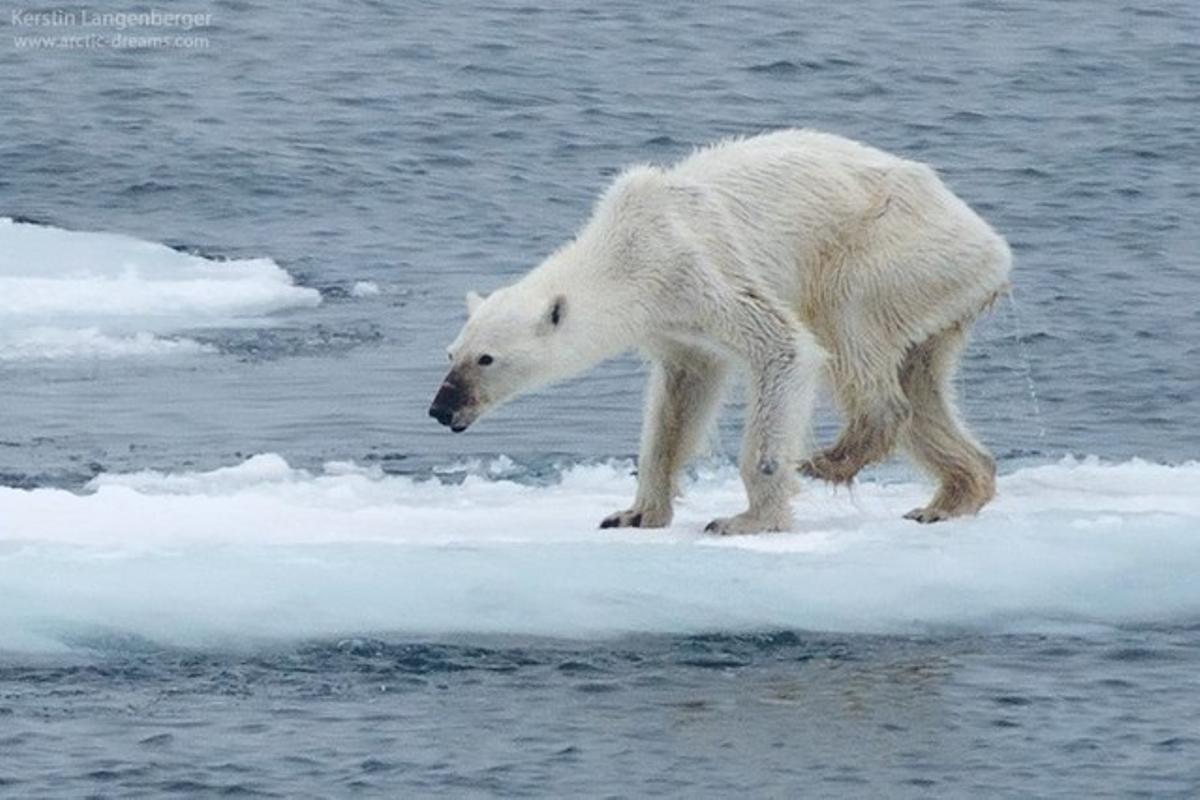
(450, 399)
(441, 414)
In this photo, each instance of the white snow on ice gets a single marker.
(262, 549)
(72, 294)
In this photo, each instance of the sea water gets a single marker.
(236, 557)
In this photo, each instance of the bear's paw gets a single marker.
(928, 515)
(637, 518)
(746, 523)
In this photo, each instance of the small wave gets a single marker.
(782, 67)
(263, 549)
(785, 67)
(71, 294)
(663, 141)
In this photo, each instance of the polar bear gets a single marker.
(796, 256)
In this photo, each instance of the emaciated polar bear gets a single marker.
(796, 255)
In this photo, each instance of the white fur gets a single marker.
(795, 256)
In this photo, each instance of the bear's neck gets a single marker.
(605, 307)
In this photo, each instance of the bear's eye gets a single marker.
(485, 359)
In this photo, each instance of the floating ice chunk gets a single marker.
(108, 295)
(264, 549)
(59, 344)
(365, 289)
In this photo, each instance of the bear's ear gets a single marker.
(558, 311)
(553, 316)
(474, 301)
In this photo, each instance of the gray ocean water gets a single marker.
(437, 148)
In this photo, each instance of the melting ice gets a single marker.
(70, 294)
(262, 549)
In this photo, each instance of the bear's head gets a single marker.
(514, 341)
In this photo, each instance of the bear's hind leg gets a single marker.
(935, 436)
(876, 412)
(681, 404)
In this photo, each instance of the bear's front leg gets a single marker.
(782, 395)
(769, 487)
(681, 402)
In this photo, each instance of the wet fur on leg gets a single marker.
(936, 437)
(866, 440)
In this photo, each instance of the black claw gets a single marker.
(636, 522)
(609, 522)
(711, 527)
(925, 516)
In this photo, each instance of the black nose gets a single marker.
(450, 398)
(442, 414)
